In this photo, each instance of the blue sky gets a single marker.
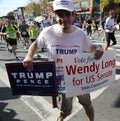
(10, 5)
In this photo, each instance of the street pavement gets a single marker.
(106, 101)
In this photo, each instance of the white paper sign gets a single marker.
(84, 74)
(117, 26)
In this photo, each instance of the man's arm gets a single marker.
(1, 33)
(28, 61)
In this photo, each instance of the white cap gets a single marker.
(63, 5)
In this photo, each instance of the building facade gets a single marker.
(84, 8)
(19, 13)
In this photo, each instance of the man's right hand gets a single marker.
(28, 63)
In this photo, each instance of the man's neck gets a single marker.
(111, 17)
(68, 30)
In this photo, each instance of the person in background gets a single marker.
(97, 22)
(102, 24)
(84, 26)
(58, 39)
(93, 27)
(11, 38)
(1, 36)
(88, 27)
(110, 29)
(17, 32)
(77, 22)
(23, 29)
(33, 32)
(2, 30)
(45, 23)
(118, 21)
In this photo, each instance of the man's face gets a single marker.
(112, 14)
(64, 18)
(8, 22)
(23, 22)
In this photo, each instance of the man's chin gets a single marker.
(65, 26)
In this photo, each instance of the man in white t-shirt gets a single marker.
(110, 29)
(45, 22)
(61, 39)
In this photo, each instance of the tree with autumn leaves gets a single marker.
(105, 3)
(37, 8)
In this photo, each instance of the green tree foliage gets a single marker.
(33, 8)
(104, 3)
(43, 5)
(10, 14)
(117, 4)
(116, 1)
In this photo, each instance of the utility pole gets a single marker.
(91, 7)
(100, 10)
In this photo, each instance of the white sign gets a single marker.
(84, 74)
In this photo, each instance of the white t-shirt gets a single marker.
(109, 24)
(59, 44)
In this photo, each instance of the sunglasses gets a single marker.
(63, 13)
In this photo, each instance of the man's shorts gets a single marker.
(66, 104)
(12, 41)
(24, 34)
(7, 40)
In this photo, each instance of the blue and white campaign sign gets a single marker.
(41, 81)
(84, 74)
